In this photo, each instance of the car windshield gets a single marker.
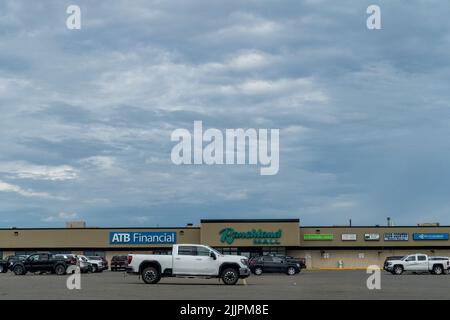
(406, 257)
(215, 251)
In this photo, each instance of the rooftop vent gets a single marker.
(75, 224)
(429, 224)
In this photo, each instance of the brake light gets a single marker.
(129, 259)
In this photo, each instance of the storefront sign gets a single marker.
(349, 237)
(372, 237)
(260, 237)
(318, 237)
(396, 237)
(142, 237)
(430, 236)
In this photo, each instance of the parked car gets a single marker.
(389, 259)
(418, 263)
(119, 262)
(74, 262)
(300, 261)
(189, 260)
(79, 261)
(102, 259)
(6, 264)
(102, 263)
(94, 265)
(274, 264)
(42, 262)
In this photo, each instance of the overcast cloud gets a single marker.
(86, 115)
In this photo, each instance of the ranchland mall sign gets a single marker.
(260, 237)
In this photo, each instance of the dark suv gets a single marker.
(119, 262)
(274, 264)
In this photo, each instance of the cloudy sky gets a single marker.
(86, 115)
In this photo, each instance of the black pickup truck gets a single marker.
(41, 262)
(6, 264)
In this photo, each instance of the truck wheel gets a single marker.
(291, 271)
(398, 270)
(258, 271)
(60, 270)
(19, 270)
(437, 270)
(151, 275)
(230, 276)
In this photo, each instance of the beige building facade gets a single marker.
(321, 247)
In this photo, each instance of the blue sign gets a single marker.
(142, 237)
(396, 236)
(430, 236)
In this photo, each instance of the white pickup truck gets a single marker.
(418, 263)
(189, 260)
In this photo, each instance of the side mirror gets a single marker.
(212, 255)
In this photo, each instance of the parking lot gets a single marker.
(306, 285)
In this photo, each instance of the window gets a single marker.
(267, 259)
(411, 259)
(43, 257)
(201, 251)
(60, 252)
(274, 250)
(24, 253)
(277, 260)
(34, 257)
(186, 251)
(422, 258)
(98, 253)
(229, 251)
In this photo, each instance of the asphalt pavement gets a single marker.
(306, 285)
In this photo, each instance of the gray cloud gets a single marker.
(86, 115)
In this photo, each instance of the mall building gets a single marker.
(322, 247)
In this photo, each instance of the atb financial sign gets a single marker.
(142, 237)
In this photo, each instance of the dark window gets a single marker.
(186, 251)
(203, 251)
(277, 260)
(34, 257)
(411, 259)
(267, 259)
(99, 253)
(43, 257)
(422, 258)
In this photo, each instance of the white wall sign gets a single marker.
(349, 237)
(372, 237)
